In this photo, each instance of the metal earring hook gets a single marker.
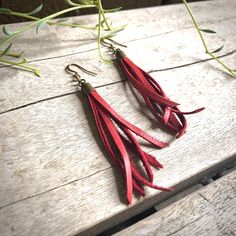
(69, 70)
(76, 75)
(117, 43)
(111, 44)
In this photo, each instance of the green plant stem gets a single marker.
(50, 22)
(44, 19)
(104, 17)
(204, 43)
(100, 10)
(10, 54)
(22, 66)
(99, 29)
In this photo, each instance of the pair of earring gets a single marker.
(119, 142)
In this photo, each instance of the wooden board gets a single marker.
(55, 176)
(19, 88)
(52, 6)
(48, 144)
(61, 41)
(159, 53)
(208, 211)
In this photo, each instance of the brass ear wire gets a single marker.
(117, 43)
(111, 44)
(76, 75)
(69, 70)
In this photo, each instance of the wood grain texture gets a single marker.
(55, 176)
(178, 196)
(58, 41)
(52, 144)
(157, 53)
(52, 6)
(208, 211)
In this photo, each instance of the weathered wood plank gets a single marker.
(208, 211)
(58, 41)
(50, 185)
(169, 50)
(178, 196)
(52, 6)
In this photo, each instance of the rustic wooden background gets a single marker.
(55, 176)
(51, 6)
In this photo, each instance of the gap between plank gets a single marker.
(129, 41)
(57, 96)
(229, 162)
(116, 82)
(49, 190)
(170, 201)
(192, 63)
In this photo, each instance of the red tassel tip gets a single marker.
(117, 145)
(163, 109)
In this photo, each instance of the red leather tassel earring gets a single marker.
(120, 142)
(164, 110)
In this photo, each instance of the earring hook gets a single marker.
(75, 73)
(111, 44)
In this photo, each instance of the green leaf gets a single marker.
(208, 31)
(86, 2)
(5, 10)
(6, 31)
(21, 54)
(37, 72)
(218, 49)
(112, 34)
(108, 36)
(69, 2)
(36, 10)
(40, 25)
(17, 55)
(24, 60)
(62, 20)
(103, 22)
(112, 10)
(6, 50)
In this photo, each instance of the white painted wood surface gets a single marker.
(55, 177)
(209, 211)
(169, 40)
(59, 41)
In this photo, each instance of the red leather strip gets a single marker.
(120, 146)
(150, 85)
(188, 112)
(104, 117)
(145, 182)
(141, 154)
(102, 129)
(120, 120)
(115, 136)
(139, 86)
(158, 103)
(151, 159)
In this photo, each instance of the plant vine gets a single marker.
(207, 51)
(38, 23)
(16, 59)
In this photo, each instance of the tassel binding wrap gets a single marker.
(120, 142)
(163, 109)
